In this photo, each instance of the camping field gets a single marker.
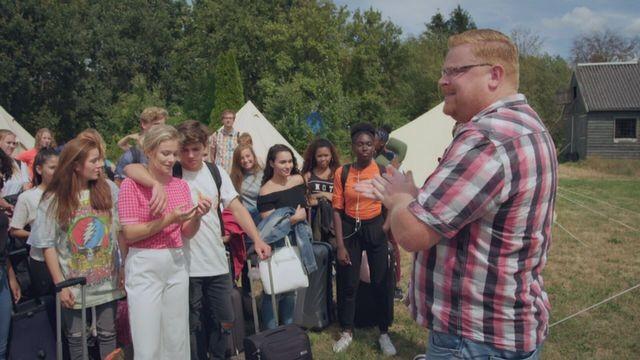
(597, 256)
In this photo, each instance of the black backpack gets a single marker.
(345, 174)
(215, 172)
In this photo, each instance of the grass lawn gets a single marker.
(603, 261)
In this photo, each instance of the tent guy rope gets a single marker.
(595, 305)
(598, 213)
(598, 200)
(570, 234)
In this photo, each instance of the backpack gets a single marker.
(215, 172)
(345, 174)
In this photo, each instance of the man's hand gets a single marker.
(388, 187)
(158, 199)
(262, 249)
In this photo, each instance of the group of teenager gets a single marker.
(479, 227)
(155, 235)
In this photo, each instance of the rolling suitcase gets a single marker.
(313, 304)
(366, 310)
(286, 342)
(32, 336)
(235, 340)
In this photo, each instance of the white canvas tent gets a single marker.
(249, 119)
(24, 139)
(426, 137)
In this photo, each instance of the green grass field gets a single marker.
(605, 260)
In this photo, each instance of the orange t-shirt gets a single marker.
(28, 157)
(357, 206)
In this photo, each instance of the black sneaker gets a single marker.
(398, 294)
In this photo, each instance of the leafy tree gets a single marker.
(460, 21)
(124, 114)
(371, 69)
(64, 64)
(437, 25)
(604, 46)
(527, 42)
(541, 77)
(228, 88)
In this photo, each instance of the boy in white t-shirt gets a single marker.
(210, 282)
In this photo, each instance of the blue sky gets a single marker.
(557, 22)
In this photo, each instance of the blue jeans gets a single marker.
(445, 346)
(286, 304)
(5, 312)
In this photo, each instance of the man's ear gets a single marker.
(496, 76)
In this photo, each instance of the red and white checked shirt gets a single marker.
(133, 208)
(491, 198)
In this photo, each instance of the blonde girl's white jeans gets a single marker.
(157, 286)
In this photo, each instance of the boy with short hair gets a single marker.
(149, 117)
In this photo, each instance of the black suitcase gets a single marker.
(235, 343)
(32, 333)
(313, 304)
(287, 342)
(366, 312)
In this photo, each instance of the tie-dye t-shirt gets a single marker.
(87, 248)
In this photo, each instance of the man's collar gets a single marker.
(507, 101)
(225, 132)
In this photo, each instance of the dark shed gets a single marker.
(602, 111)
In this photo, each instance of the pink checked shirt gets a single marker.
(491, 198)
(133, 208)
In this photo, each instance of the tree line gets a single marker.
(77, 64)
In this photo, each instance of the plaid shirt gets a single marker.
(491, 198)
(225, 145)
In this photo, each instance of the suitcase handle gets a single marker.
(71, 282)
(22, 251)
(82, 281)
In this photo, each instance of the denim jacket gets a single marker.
(276, 226)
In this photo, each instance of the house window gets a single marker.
(626, 129)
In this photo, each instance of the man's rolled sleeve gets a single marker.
(465, 186)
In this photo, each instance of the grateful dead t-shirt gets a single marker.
(87, 247)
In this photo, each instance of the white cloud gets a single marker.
(634, 27)
(581, 18)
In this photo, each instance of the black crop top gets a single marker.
(317, 184)
(291, 197)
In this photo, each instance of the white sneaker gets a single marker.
(386, 345)
(343, 343)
